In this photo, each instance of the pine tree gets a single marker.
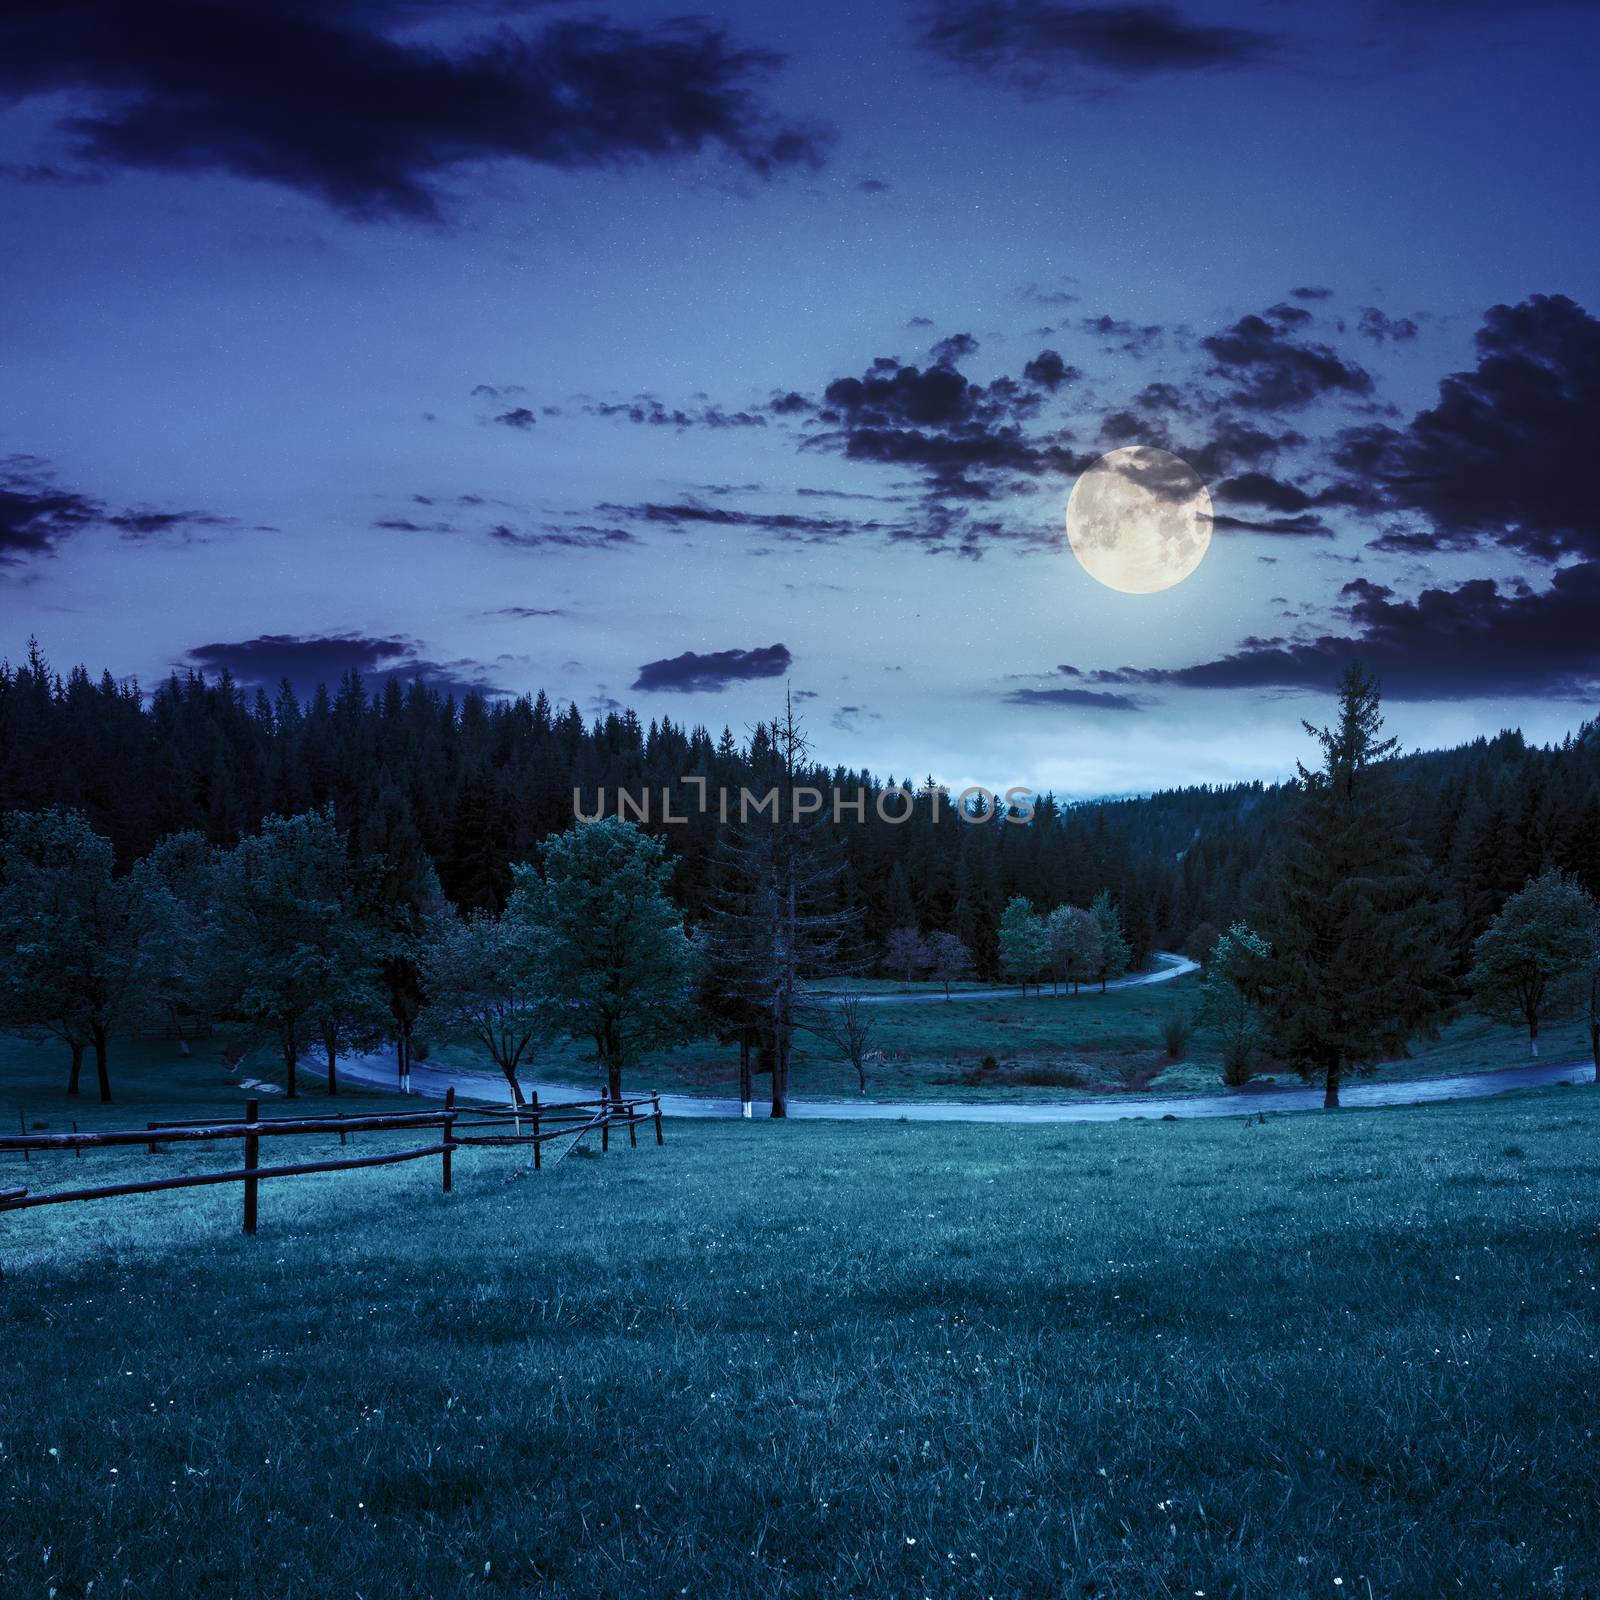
(1024, 943)
(777, 922)
(1356, 967)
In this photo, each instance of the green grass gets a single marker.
(1133, 1359)
(1071, 1047)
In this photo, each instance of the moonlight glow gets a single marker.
(1139, 520)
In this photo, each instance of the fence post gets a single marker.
(340, 1116)
(633, 1126)
(537, 1163)
(150, 1149)
(605, 1120)
(77, 1149)
(656, 1099)
(22, 1123)
(449, 1132)
(252, 1160)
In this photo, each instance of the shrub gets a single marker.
(1176, 1029)
(1237, 1056)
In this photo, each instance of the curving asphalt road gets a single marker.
(378, 1071)
(1175, 967)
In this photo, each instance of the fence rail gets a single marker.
(533, 1124)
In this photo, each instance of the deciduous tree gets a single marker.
(1230, 1004)
(1529, 962)
(82, 943)
(617, 965)
(483, 975)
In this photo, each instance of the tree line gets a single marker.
(199, 818)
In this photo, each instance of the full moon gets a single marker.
(1139, 520)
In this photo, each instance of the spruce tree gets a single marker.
(1357, 965)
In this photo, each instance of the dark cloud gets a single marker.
(951, 351)
(1311, 292)
(649, 411)
(1305, 525)
(1048, 371)
(1262, 489)
(848, 719)
(327, 100)
(1506, 456)
(1041, 45)
(872, 186)
(693, 673)
(1287, 316)
(581, 536)
(526, 613)
(1231, 443)
(1474, 641)
(519, 417)
(138, 526)
(791, 404)
(307, 660)
(496, 391)
(786, 524)
(1036, 294)
(1118, 334)
(411, 525)
(1274, 371)
(38, 516)
(1082, 699)
(1382, 328)
(964, 437)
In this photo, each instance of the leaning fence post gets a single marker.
(537, 1163)
(449, 1132)
(656, 1098)
(252, 1159)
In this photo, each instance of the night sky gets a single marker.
(660, 362)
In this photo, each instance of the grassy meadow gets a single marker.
(1044, 1047)
(1333, 1355)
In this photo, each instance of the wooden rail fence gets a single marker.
(451, 1128)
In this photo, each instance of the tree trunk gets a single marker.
(614, 1080)
(100, 1063)
(1533, 1037)
(1330, 1088)
(511, 1078)
(330, 1045)
(1594, 1048)
(77, 1067)
(782, 1043)
(746, 1092)
(291, 1060)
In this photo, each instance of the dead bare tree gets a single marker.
(845, 1021)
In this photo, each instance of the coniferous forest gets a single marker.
(476, 785)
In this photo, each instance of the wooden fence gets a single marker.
(445, 1130)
